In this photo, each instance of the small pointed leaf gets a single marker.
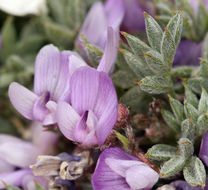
(161, 152)
(172, 166)
(155, 84)
(191, 97)
(188, 129)
(171, 121)
(203, 102)
(202, 124)
(186, 148)
(191, 112)
(154, 32)
(168, 48)
(155, 62)
(194, 172)
(177, 108)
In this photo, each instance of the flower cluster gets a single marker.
(117, 109)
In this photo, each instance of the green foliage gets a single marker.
(195, 26)
(194, 172)
(153, 64)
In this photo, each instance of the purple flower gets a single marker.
(92, 111)
(203, 154)
(99, 18)
(16, 153)
(118, 170)
(52, 75)
(101, 28)
(133, 20)
(188, 53)
(183, 185)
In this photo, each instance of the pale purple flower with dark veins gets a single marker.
(99, 18)
(101, 28)
(203, 154)
(17, 153)
(188, 53)
(118, 170)
(92, 111)
(52, 75)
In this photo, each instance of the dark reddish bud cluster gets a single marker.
(123, 117)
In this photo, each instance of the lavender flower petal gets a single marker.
(15, 151)
(110, 53)
(133, 19)
(125, 174)
(84, 89)
(14, 178)
(95, 23)
(114, 14)
(188, 53)
(144, 174)
(93, 90)
(5, 166)
(51, 70)
(67, 119)
(183, 185)
(22, 99)
(45, 140)
(203, 154)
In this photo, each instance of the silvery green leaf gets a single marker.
(75, 12)
(204, 67)
(203, 102)
(190, 111)
(58, 34)
(194, 172)
(202, 124)
(168, 48)
(186, 148)
(191, 97)
(161, 152)
(57, 10)
(188, 129)
(136, 99)
(182, 71)
(94, 53)
(8, 35)
(137, 46)
(154, 32)
(29, 45)
(123, 79)
(175, 27)
(171, 121)
(196, 84)
(155, 84)
(205, 48)
(155, 62)
(202, 23)
(188, 27)
(139, 68)
(163, 19)
(172, 166)
(177, 109)
(164, 8)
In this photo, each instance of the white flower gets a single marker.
(23, 7)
